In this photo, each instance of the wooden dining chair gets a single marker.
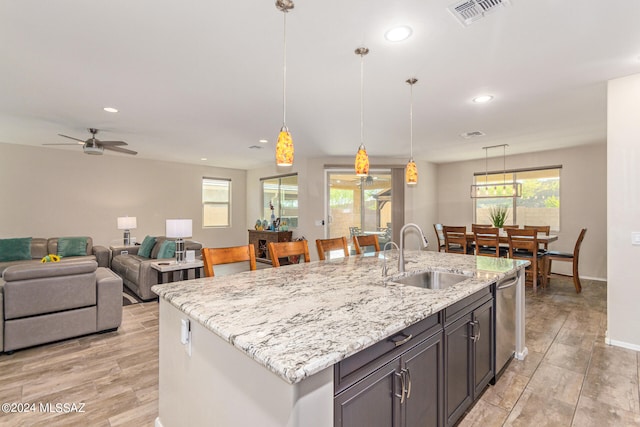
(513, 227)
(523, 244)
(328, 245)
(217, 256)
(569, 257)
(366, 240)
(455, 239)
(487, 241)
(296, 248)
(439, 236)
(544, 229)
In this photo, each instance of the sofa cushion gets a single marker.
(72, 246)
(52, 246)
(146, 246)
(167, 249)
(15, 249)
(39, 248)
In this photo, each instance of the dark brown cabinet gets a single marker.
(468, 352)
(261, 238)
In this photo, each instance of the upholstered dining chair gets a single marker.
(523, 244)
(440, 236)
(328, 245)
(217, 256)
(296, 248)
(366, 240)
(455, 239)
(569, 257)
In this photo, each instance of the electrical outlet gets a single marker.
(124, 252)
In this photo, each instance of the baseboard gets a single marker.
(597, 279)
(616, 343)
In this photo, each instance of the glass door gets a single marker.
(359, 205)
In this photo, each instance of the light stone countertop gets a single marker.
(297, 320)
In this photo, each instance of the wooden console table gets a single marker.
(261, 238)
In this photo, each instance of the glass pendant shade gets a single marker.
(362, 162)
(412, 173)
(284, 148)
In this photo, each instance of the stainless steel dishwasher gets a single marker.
(505, 320)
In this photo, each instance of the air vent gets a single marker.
(469, 11)
(474, 134)
(255, 147)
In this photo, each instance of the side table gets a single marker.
(165, 267)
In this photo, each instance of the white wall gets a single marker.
(623, 209)
(583, 199)
(48, 192)
(420, 201)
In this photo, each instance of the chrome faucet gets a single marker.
(425, 243)
(384, 256)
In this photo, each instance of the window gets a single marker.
(540, 201)
(216, 202)
(282, 193)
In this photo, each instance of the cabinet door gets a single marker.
(372, 401)
(484, 346)
(424, 372)
(457, 368)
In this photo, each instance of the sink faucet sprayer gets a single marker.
(425, 243)
(384, 256)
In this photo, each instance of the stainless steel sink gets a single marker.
(432, 279)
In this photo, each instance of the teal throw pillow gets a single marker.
(167, 249)
(15, 249)
(146, 246)
(72, 246)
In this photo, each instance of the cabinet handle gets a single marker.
(402, 341)
(473, 336)
(406, 371)
(478, 334)
(402, 385)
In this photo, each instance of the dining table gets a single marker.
(542, 238)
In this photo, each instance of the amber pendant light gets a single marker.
(412, 169)
(284, 146)
(362, 159)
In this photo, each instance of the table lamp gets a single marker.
(127, 223)
(178, 229)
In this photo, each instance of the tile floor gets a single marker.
(571, 377)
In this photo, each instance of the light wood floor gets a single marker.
(571, 378)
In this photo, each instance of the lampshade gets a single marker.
(179, 228)
(412, 173)
(362, 162)
(127, 222)
(284, 148)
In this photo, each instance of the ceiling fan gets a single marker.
(97, 147)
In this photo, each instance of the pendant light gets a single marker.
(362, 159)
(495, 190)
(412, 169)
(284, 146)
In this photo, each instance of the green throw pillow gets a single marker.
(146, 246)
(15, 249)
(167, 249)
(72, 246)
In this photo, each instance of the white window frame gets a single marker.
(206, 179)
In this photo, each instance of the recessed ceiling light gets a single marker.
(398, 34)
(110, 109)
(203, 158)
(482, 99)
(263, 141)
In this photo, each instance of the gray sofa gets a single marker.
(41, 303)
(41, 247)
(136, 271)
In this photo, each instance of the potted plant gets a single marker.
(498, 215)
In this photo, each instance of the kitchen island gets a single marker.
(259, 348)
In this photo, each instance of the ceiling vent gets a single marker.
(469, 11)
(474, 134)
(255, 147)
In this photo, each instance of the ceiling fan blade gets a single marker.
(65, 143)
(113, 143)
(70, 137)
(120, 150)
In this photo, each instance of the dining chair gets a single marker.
(487, 242)
(355, 231)
(544, 229)
(328, 245)
(523, 244)
(513, 227)
(481, 225)
(569, 257)
(455, 239)
(366, 240)
(296, 248)
(439, 236)
(229, 255)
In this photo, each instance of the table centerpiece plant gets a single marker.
(498, 215)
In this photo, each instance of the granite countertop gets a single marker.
(299, 319)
